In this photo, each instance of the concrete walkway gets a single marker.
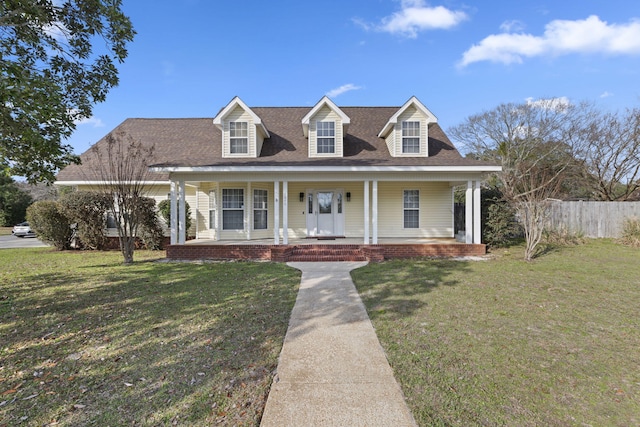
(332, 369)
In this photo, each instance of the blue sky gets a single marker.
(191, 57)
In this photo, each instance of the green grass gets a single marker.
(5, 231)
(553, 342)
(85, 340)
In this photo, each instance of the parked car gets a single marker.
(23, 230)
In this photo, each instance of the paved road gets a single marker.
(12, 242)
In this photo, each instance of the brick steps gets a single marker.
(325, 253)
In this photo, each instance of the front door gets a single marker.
(325, 213)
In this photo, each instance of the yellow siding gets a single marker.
(325, 114)
(436, 209)
(239, 114)
(414, 115)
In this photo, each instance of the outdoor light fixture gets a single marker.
(348, 196)
(301, 197)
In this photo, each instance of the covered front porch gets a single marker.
(398, 212)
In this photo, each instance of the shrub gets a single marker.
(164, 207)
(501, 227)
(87, 209)
(50, 223)
(631, 232)
(563, 237)
(151, 233)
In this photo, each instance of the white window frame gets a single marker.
(213, 224)
(406, 209)
(233, 208)
(264, 207)
(411, 134)
(326, 132)
(238, 137)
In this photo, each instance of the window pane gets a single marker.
(411, 145)
(326, 129)
(411, 199)
(324, 203)
(260, 199)
(212, 219)
(259, 209)
(326, 145)
(233, 220)
(339, 195)
(411, 129)
(310, 197)
(411, 218)
(411, 209)
(233, 198)
(238, 129)
(260, 220)
(239, 146)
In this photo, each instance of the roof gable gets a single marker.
(325, 101)
(413, 101)
(237, 102)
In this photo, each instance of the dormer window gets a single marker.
(238, 138)
(326, 137)
(410, 137)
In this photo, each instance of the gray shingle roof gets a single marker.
(198, 142)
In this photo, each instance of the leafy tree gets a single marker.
(121, 168)
(151, 231)
(48, 220)
(164, 208)
(87, 209)
(13, 202)
(535, 144)
(57, 59)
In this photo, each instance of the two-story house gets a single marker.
(266, 179)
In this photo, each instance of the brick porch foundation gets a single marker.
(286, 253)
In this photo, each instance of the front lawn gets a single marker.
(85, 340)
(554, 342)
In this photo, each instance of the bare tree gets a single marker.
(120, 165)
(535, 143)
(612, 153)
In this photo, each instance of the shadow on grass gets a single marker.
(391, 288)
(150, 343)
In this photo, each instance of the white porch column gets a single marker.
(248, 211)
(276, 212)
(181, 213)
(174, 214)
(374, 217)
(468, 213)
(366, 212)
(477, 236)
(285, 212)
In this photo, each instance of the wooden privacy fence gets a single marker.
(593, 219)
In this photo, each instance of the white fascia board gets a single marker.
(237, 102)
(72, 183)
(320, 169)
(329, 103)
(431, 118)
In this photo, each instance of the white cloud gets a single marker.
(606, 94)
(560, 37)
(94, 121)
(342, 89)
(415, 16)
